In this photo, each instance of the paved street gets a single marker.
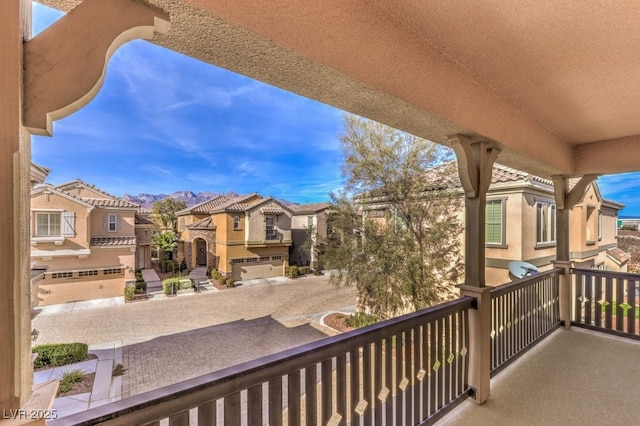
(173, 339)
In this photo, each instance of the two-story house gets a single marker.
(308, 221)
(520, 224)
(84, 238)
(243, 237)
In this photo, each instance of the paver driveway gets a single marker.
(175, 339)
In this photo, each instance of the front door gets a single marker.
(201, 252)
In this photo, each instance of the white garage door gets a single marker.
(250, 270)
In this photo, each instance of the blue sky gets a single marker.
(165, 122)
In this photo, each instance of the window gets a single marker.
(112, 271)
(494, 222)
(112, 222)
(62, 275)
(264, 259)
(252, 260)
(236, 222)
(545, 223)
(310, 221)
(599, 226)
(276, 257)
(48, 224)
(237, 260)
(181, 224)
(271, 228)
(87, 273)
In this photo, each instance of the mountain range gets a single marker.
(191, 198)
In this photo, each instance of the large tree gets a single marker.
(396, 224)
(163, 212)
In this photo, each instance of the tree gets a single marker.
(163, 212)
(166, 242)
(396, 225)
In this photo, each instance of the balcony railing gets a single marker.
(406, 370)
(606, 301)
(522, 313)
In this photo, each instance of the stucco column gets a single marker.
(15, 307)
(475, 166)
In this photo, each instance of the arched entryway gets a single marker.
(200, 255)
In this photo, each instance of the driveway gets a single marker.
(174, 339)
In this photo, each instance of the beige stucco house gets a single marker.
(243, 237)
(520, 224)
(306, 216)
(85, 238)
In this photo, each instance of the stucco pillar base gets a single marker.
(38, 408)
(479, 341)
(564, 292)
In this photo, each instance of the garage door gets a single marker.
(250, 270)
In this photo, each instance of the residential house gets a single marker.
(243, 237)
(145, 230)
(85, 238)
(305, 217)
(520, 224)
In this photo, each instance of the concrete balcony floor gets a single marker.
(573, 377)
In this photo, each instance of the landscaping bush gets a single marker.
(129, 291)
(170, 285)
(139, 276)
(229, 282)
(57, 354)
(317, 272)
(141, 287)
(68, 379)
(304, 270)
(293, 271)
(361, 319)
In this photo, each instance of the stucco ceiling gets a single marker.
(555, 83)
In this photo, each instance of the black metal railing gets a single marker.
(606, 301)
(522, 313)
(404, 371)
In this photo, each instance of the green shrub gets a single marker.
(141, 286)
(185, 283)
(293, 271)
(361, 319)
(68, 379)
(170, 285)
(57, 354)
(229, 282)
(138, 271)
(129, 291)
(317, 272)
(139, 276)
(304, 270)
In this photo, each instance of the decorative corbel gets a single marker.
(475, 163)
(565, 198)
(65, 65)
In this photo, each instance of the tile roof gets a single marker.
(236, 204)
(271, 210)
(206, 206)
(118, 202)
(112, 241)
(309, 208)
(619, 255)
(205, 223)
(74, 183)
(139, 220)
(142, 210)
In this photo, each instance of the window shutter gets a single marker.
(493, 222)
(68, 224)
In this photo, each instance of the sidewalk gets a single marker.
(105, 389)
